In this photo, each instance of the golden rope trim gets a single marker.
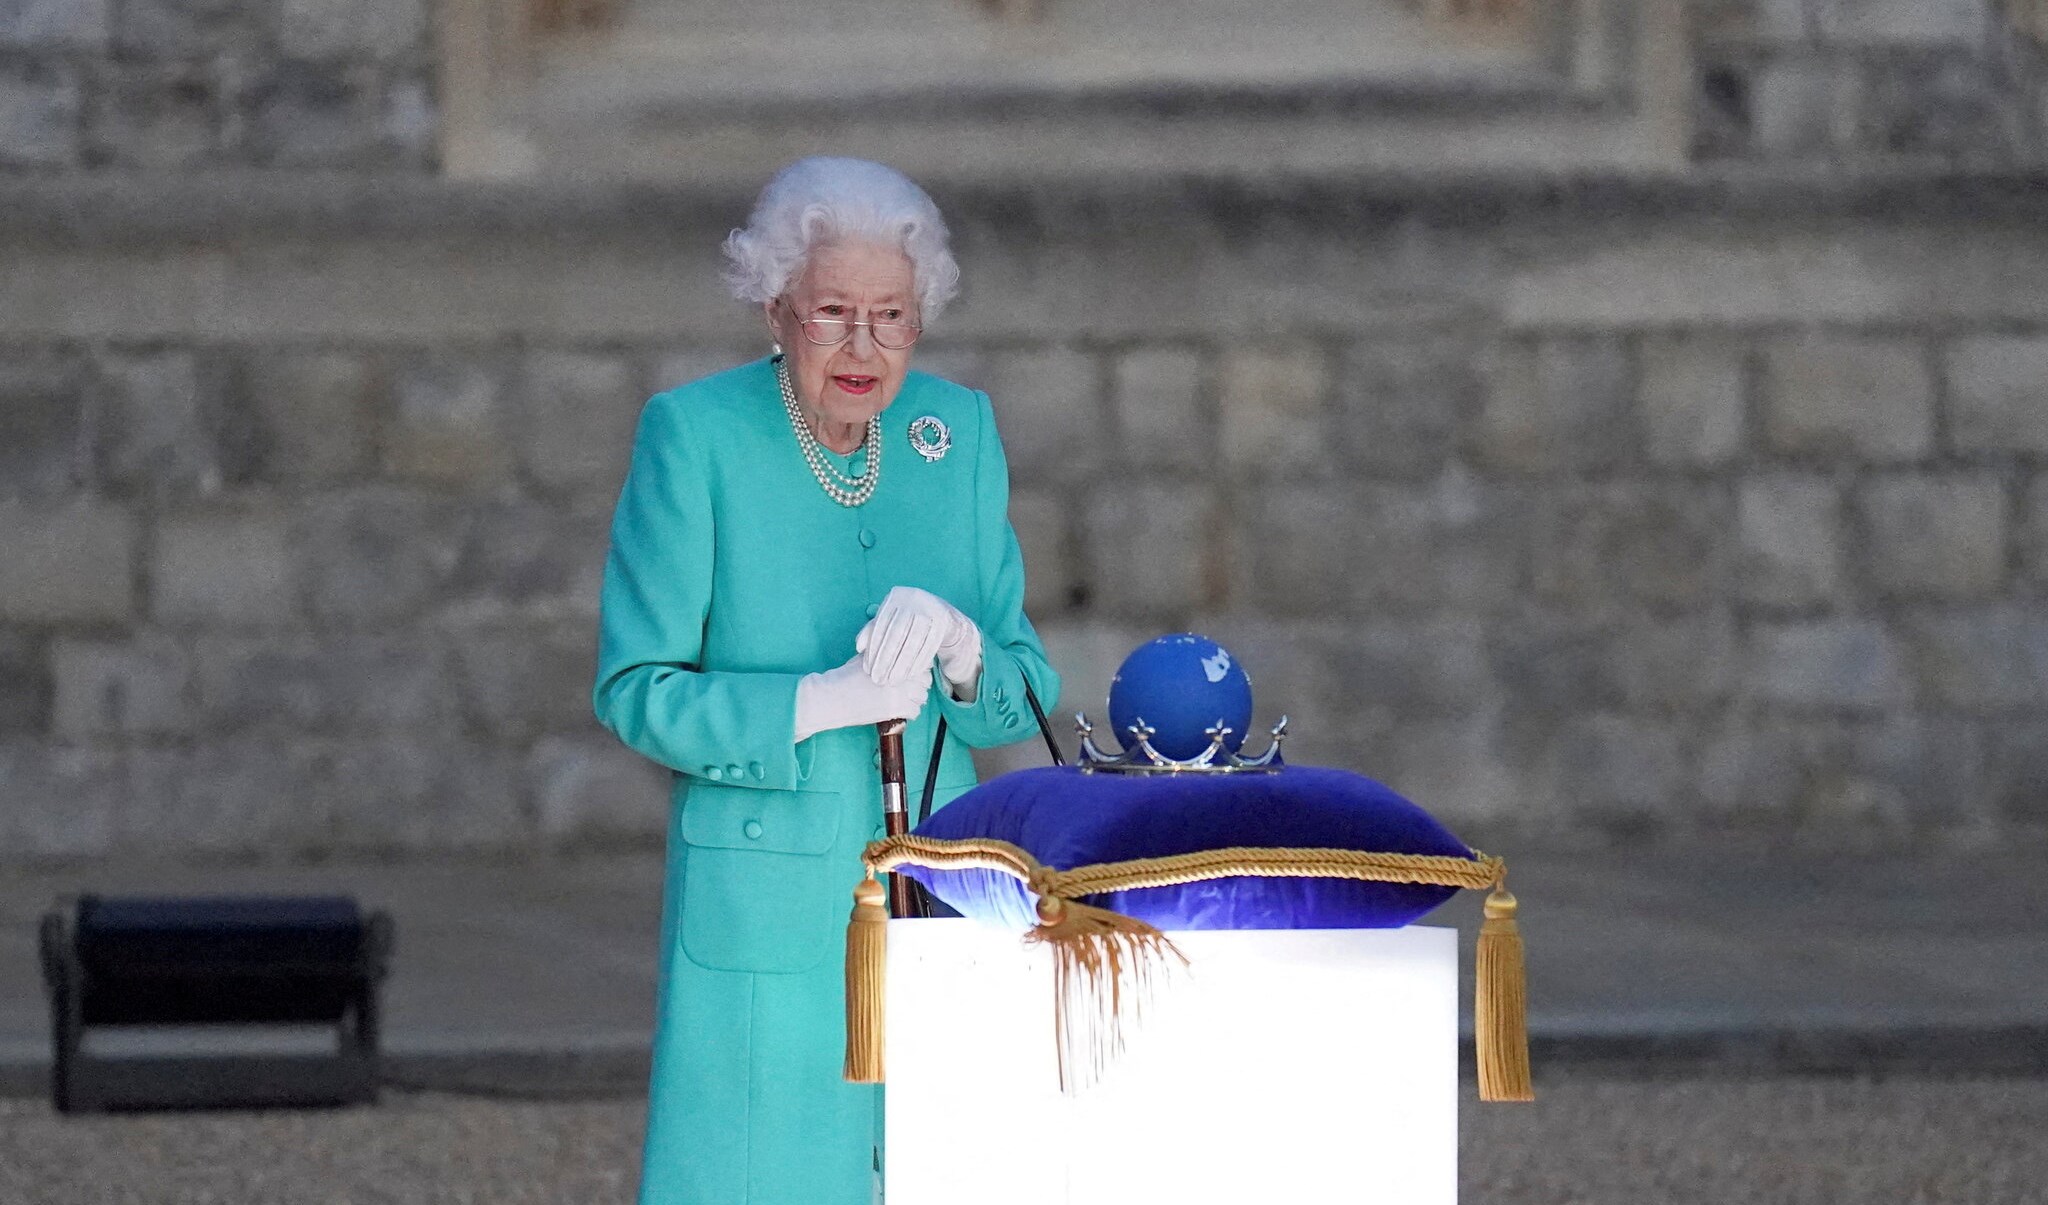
(986, 854)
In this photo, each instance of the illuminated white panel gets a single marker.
(1298, 1066)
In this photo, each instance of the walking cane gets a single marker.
(895, 809)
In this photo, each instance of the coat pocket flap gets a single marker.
(780, 822)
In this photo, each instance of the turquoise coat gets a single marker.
(732, 575)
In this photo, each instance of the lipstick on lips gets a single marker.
(855, 384)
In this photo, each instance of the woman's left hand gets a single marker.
(914, 627)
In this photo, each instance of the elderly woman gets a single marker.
(805, 546)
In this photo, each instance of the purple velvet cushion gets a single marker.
(1066, 819)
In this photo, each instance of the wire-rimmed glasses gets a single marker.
(827, 331)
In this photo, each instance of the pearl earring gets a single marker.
(776, 348)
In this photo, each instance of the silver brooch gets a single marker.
(930, 438)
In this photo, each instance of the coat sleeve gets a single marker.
(1011, 654)
(652, 691)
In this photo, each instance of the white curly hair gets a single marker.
(825, 199)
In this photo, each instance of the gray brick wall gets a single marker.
(177, 85)
(1617, 527)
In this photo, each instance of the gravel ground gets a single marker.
(1588, 1142)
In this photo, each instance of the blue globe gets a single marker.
(1181, 686)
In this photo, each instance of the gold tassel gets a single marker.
(1500, 1014)
(867, 952)
(1094, 950)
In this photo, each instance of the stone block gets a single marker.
(1890, 23)
(62, 801)
(1792, 542)
(25, 688)
(377, 554)
(142, 688)
(1412, 668)
(1761, 775)
(948, 359)
(1934, 535)
(1664, 544)
(339, 29)
(73, 564)
(1998, 395)
(339, 684)
(1040, 519)
(245, 797)
(149, 115)
(2033, 529)
(222, 568)
(1847, 664)
(1694, 398)
(1801, 104)
(30, 25)
(1947, 104)
(1453, 768)
(44, 446)
(1682, 664)
(164, 29)
(1457, 541)
(1049, 409)
(1294, 545)
(1908, 774)
(40, 102)
(164, 425)
(448, 421)
(1848, 396)
(410, 128)
(1549, 665)
(315, 410)
(680, 366)
(596, 788)
(1403, 400)
(1982, 658)
(525, 556)
(1557, 404)
(1620, 773)
(309, 115)
(576, 415)
(1153, 550)
(519, 682)
(1275, 410)
(403, 794)
(2016, 771)
(1163, 412)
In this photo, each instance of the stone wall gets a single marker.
(1857, 80)
(1600, 512)
(195, 84)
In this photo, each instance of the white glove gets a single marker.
(846, 697)
(912, 628)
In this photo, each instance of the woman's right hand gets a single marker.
(847, 696)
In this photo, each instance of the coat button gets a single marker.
(877, 757)
(880, 832)
(736, 772)
(758, 770)
(867, 538)
(752, 830)
(714, 773)
(1010, 721)
(874, 609)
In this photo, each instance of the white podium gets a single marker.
(1281, 1066)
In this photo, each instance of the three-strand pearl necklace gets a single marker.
(845, 490)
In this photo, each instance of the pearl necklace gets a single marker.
(845, 490)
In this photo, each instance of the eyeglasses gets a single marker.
(827, 331)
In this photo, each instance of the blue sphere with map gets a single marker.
(1181, 686)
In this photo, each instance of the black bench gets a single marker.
(314, 962)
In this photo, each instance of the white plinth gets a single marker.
(1297, 1067)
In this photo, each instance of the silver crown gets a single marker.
(1141, 758)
